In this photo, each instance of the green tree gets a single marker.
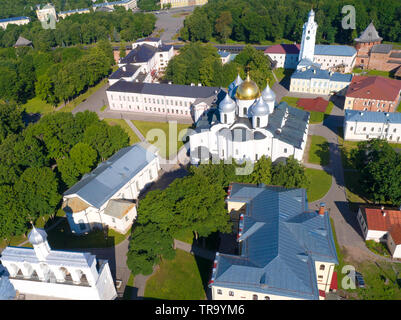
(10, 120)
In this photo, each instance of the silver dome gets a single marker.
(259, 108)
(268, 94)
(37, 236)
(227, 104)
(233, 85)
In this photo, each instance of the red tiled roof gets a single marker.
(334, 283)
(284, 48)
(377, 221)
(395, 232)
(317, 104)
(377, 88)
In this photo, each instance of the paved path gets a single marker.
(348, 232)
(135, 129)
(198, 251)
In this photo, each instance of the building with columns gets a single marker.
(248, 124)
(284, 251)
(58, 274)
(106, 197)
(366, 125)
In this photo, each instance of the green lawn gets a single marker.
(103, 108)
(386, 74)
(399, 108)
(36, 105)
(319, 151)
(320, 184)
(62, 238)
(263, 42)
(133, 138)
(163, 144)
(183, 278)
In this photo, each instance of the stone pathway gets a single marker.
(135, 129)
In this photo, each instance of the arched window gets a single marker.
(267, 298)
(258, 122)
(322, 267)
(255, 297)
(245, 112)
(225, 118)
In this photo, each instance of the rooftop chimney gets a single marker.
(322, 209)
(383, 212)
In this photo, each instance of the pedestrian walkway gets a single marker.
(135, 129)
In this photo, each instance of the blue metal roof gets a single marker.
(223, 54)
(110, 3)
(7, 291)
(281, 240)
(317, 73)
(334, 50)
(74, 10)
(372, 116)
(98, 186)
(14, 19)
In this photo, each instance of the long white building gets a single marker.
(17, 20)
(179, 101)
(107, 196)
(247, 125)
(366, 125)
(44, 272)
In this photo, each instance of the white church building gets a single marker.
(44, 272)
(247, 125)
(107, 196)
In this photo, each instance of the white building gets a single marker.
(64, 14)
(326, 57)
(366, 125)
(181, 3)
(106, 196)
(382, 225)
(284, 250)
(58, 274)
(127, 4)
(317, 81)
(17, 20)
(178, 101)
(247, 125)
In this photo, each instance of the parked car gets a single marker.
(360, 282)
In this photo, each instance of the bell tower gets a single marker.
(307, 50)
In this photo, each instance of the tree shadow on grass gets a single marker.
(323, 153)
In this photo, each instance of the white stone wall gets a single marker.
(221, 293)
(17, 22)
(328, 62)
(152, 104)
(362, 131)
(324, 274)
(317, 86)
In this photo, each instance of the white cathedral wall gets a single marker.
(123, 224)
(361, 131)
(244, 104)
(105, 284)
(243, 294)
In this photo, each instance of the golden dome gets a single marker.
(247, 90)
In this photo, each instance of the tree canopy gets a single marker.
(254, 21)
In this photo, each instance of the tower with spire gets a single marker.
(307, 50)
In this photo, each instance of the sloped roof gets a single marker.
(317, 73)
(382, 48)
(120, 73)
(374, 87)
(372, 116)
(22, 42)
(98, 186)
(395, 232)
(334, 50)
(317, 104)
(284, 48)
(370, 34)
(14, 19)
(281, 241)
(118, 208)
(171, 90)
(376, 220)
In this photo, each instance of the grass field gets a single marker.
(183, 278)
(157, 137)
(319, 151)
(62, 238)
(133, 138)
(320, 184)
